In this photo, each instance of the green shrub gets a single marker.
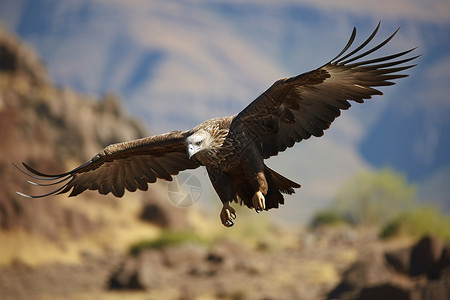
(418, 222)
(375, 198)
(328, 217)
(166, 239)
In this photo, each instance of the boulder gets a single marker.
(142, 272)
(370, 271)
(424, 270)
(442, 267)
(385, 291)
(399, 260)
(158, 211)
(424, 257)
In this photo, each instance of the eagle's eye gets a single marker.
(198, 143)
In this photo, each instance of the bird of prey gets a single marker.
(233, 149)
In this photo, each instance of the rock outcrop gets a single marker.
(53, 129)
(421, 272)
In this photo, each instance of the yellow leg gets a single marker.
(227, 215)
(259, 202)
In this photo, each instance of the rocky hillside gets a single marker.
(54, 129)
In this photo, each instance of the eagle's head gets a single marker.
(198, 141)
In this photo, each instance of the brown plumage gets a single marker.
(233, 148)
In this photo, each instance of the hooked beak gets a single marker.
(192, 150)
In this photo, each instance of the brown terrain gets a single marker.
(80, 248)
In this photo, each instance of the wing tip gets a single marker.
(24, 195)
(50, 176)
(342, 58)
(54, 180)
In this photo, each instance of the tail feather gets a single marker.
(284, 185)
(277, 183)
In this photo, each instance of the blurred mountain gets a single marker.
(416, 144)
(410, 143)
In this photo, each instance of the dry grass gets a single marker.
(346, 256)
(252, 230)
(118, 228)
(19, 246)
(320, 272)
(129, 295)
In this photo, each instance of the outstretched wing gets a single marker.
(294, 109)
(130, 165)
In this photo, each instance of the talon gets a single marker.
(227, 215)
(259, 202)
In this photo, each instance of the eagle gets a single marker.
(233, 148)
